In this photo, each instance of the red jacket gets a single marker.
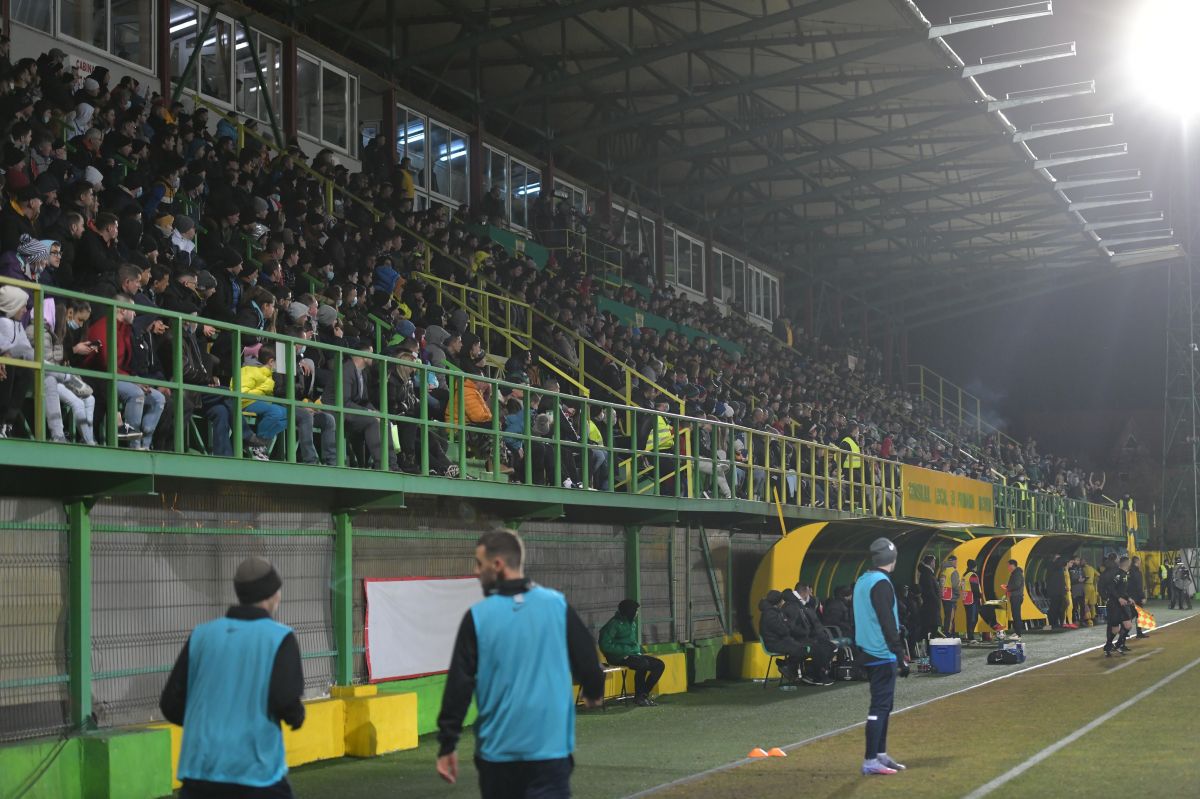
(98, 360)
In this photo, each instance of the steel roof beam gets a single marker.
(1149, 235)
(1098, 179)
(1041, 130)
(1112, 201)
(961, 23)
(628, 61)
(1125, 221)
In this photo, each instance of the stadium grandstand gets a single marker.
(348, 285)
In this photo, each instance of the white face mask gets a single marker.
(71, 323)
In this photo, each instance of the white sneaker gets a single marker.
(568, 484)
(259, 454)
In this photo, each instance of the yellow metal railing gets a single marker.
(949, 402)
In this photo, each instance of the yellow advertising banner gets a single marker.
(946, 497)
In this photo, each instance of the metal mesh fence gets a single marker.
(587, 564)
(748, 551)
(706, 612)
(658, 589)
(162, 565)
(33, 619)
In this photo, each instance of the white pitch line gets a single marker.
(1016, 771)
(789, 747)
(1120, 666)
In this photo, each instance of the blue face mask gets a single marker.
(353, 301)
(71, 323)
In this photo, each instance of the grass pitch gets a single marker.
(952, 745)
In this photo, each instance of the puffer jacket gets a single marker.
(258, 380)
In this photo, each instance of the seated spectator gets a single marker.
(620, 642)
(800, 609)
(258, 379)
(141, 405)
(837, 612)
(14, 343)
(775, 630)
(63, 342)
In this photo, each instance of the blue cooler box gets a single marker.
(945, 654)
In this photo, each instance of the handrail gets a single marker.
(955, 407)
(741, 462)
(583, 390)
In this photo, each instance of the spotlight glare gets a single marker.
(1161, 57)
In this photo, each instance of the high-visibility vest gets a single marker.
(666, 436)
(594, 433)
(968, 596)
(1127, 504)
(948, 582)
(853, 460)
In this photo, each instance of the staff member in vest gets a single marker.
(972, 599)
(516, 651)
(235, 680)
(660, 438)
(951, 587)
(877, 634)
(852, 468)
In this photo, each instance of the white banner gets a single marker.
(412, 623)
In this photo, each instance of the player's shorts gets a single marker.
(1117, 613)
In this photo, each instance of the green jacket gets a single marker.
(619, 638)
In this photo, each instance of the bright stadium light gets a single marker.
(1161, 62)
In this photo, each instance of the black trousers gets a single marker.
(883, 691)
(1014, 612)
(646, 671)
(201, 789)
(525, 779)
(1058, 608)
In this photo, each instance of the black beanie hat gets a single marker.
(627, 607)
(255, 580)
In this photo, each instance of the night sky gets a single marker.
(1098, 348)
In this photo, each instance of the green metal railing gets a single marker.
(1022, 509)
(949, 403)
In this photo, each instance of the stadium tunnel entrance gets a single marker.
(829, 554)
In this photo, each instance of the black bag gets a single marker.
(1002, 657)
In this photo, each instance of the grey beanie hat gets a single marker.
(883, 552)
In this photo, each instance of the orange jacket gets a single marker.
(477, 408)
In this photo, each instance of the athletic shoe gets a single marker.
(259, 454)
(1141, 635)
(887, 761)
(826, 680)
(1124, 649)
(643, 701)
(1108, 651)
(5, 430)
(127, 433)
(875, 767)
(1071, 626)
(804, 678)
(452, 470)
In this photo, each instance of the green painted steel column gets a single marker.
(633, 568)
(633, 563)
(343, 597)
(79, 629)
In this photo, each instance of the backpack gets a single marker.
(1002, 657)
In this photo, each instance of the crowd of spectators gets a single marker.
(115, 192)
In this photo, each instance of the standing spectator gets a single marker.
(877, 634)
(931, 615)
(1181, 580)
(1055, 592)
(1137, 592)
(621, 645)
(520, 668)
(234, 681)
(97, 254)
(1015, 588)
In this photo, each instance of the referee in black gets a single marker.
(1120, 608)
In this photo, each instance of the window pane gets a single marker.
(133, 31)
(87, 21)
(669, 254)
(246, 94)
(497, 174)
(185, 27)
(410, 142)
(308, 92)
(352, 116)
(270, 58)
(517, 197)
(333, 107)
(37, 14)
(459, 155)
(216, 57)
(439, 148)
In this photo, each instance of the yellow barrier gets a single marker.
(323, 735)
(946, 497)
(377, 723)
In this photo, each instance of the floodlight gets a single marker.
(1161, 55)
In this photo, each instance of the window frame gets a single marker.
(351, 112)
(56, 32)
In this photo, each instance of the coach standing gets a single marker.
(235, 680)
(516, 651)
(877, 634)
